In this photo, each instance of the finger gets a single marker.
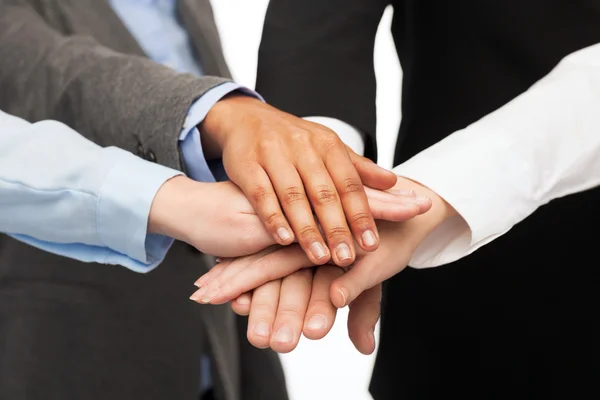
(200, 294)
(364, 314)
(353, 198)
(257, 187)
(366, 273)
(326, 202)
(259, 271)
(290, 190)
(321, 312)
(371, 174)
(212, 287)
(213, 272)
(396, 206)
(293, 301)
(241, 305)
(263, 310)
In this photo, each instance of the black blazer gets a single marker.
(517, 317)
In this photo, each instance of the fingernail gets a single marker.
(244, 301)
(423, 199)
(318, 250)
(284, 335)
(316, 322)
(284, 234)
(372, 337)
(197, 295)
(261, 329)
(218, 260)
(344, 293)
(369, 238)
(343, 252)
(207, 298)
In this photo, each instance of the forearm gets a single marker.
(65, 194)
(111, 98)
(496, 172)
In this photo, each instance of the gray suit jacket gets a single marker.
(70, 330)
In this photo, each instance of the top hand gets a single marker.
(281, 161)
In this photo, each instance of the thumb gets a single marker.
(371, 174)
(366, 273)
(362, 318)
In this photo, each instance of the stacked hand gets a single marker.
(301, 203)
(285, 298)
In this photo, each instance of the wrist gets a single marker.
(168, 211)
(218, 122)
(422, 225)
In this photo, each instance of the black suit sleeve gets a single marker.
(316, 59)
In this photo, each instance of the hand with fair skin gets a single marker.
(288, 167)
(299, 304)
(233, 277)
(398, 242)
(218, 219)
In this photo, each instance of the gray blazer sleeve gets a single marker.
(111, 98)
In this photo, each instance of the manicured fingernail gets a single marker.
(261, 329)
(284, 234)
(318, 250)
(211, 294)
(344, 293)
(197, 295)
(316, 322)
(369, 238)
(423, 199)
(343, 252)
(244, 301)
(284, 335)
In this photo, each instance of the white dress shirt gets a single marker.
(542, 145)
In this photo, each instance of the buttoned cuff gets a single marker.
(123, 209)
(195, 163)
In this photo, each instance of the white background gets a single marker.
(329, 369)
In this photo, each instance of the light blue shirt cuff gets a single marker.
(196, 164)
(122, 214)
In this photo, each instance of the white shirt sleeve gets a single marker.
(347, 133)
(542, 145)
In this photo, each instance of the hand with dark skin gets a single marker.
(288, 168)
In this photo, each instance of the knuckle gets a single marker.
(360, 219)
(352, 186)
(264, 308)
(307, 232)
(325, 195)
(260, 194)
(330, 142)
(320, 306)
(293, 194)
(289, 310)
(273, 218)
(337, 231)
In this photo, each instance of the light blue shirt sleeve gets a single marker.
(64, 194)
(197, 167)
